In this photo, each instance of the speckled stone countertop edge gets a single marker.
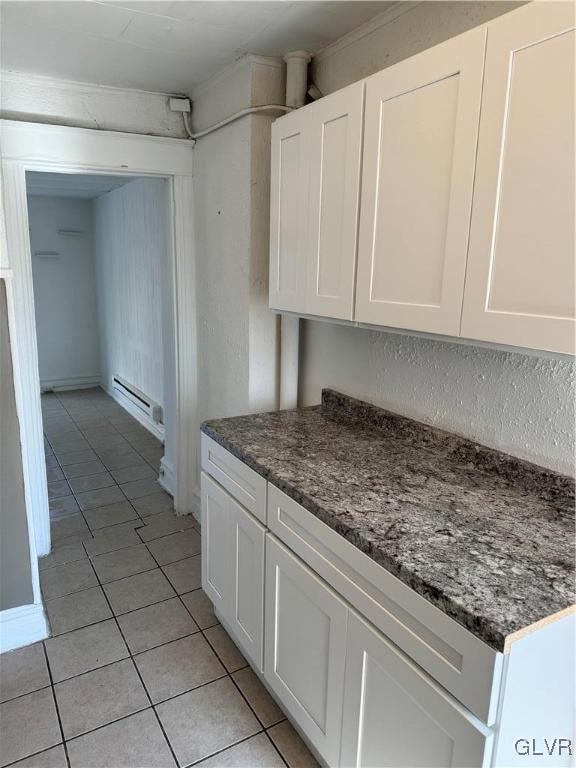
(533, 478)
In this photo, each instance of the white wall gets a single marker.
(520, 404)
(64, 291)
(45, 100)
(131, 246)
(237, 333)
(407, 29)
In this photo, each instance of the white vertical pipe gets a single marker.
(296, 77)
(296, 87)
(289, 361)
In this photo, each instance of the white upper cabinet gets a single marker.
(289, 212)
(438, 195)
(520, 278)
(421, 128)
(335, 126)
(314, 210)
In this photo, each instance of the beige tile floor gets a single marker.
(137, 672)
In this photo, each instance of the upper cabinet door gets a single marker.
(420, 139)
(335, 140)
(289, 212)
(520, 278)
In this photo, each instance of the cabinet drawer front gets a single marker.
(245, 485)
(305, 642)
(463, 664)
(394, 715)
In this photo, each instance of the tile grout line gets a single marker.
(56, 703)
(21, 695)
(254, 711)
(85, 437)
(227, 674)
(224, 749)
(202, 631)
(137, 672)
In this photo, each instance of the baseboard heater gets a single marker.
(139, 399)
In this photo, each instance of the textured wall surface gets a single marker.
(251, 81)
(407, 29)
(44, 100)
(518, 403)
(15, 572)
(131, 239)
(64, 291)
(237, 340)
(222, 222)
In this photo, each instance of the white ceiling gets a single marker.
(164, 45)
(80, 185)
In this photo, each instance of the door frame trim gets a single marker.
(63, 149)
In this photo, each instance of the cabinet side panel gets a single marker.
(538, 709)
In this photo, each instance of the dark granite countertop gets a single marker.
(487, 538)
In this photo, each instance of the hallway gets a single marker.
(137, 671)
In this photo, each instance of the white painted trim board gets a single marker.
(39, 147)
(78, 382)
(21, 626)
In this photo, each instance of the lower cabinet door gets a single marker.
(217, 545)
(233, 567)
(247, 606)
(396, 717)
(305, 647)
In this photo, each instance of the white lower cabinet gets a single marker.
(216, 544)
(396, 717)
(361, 699)
(233, 567)
(305, 647)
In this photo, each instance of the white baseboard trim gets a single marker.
(166, 476)
(23, 625)
(156, 429)
(76, 382)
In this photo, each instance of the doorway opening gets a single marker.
(100, 251)
(77, 152)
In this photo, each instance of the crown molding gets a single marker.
(11, 77)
